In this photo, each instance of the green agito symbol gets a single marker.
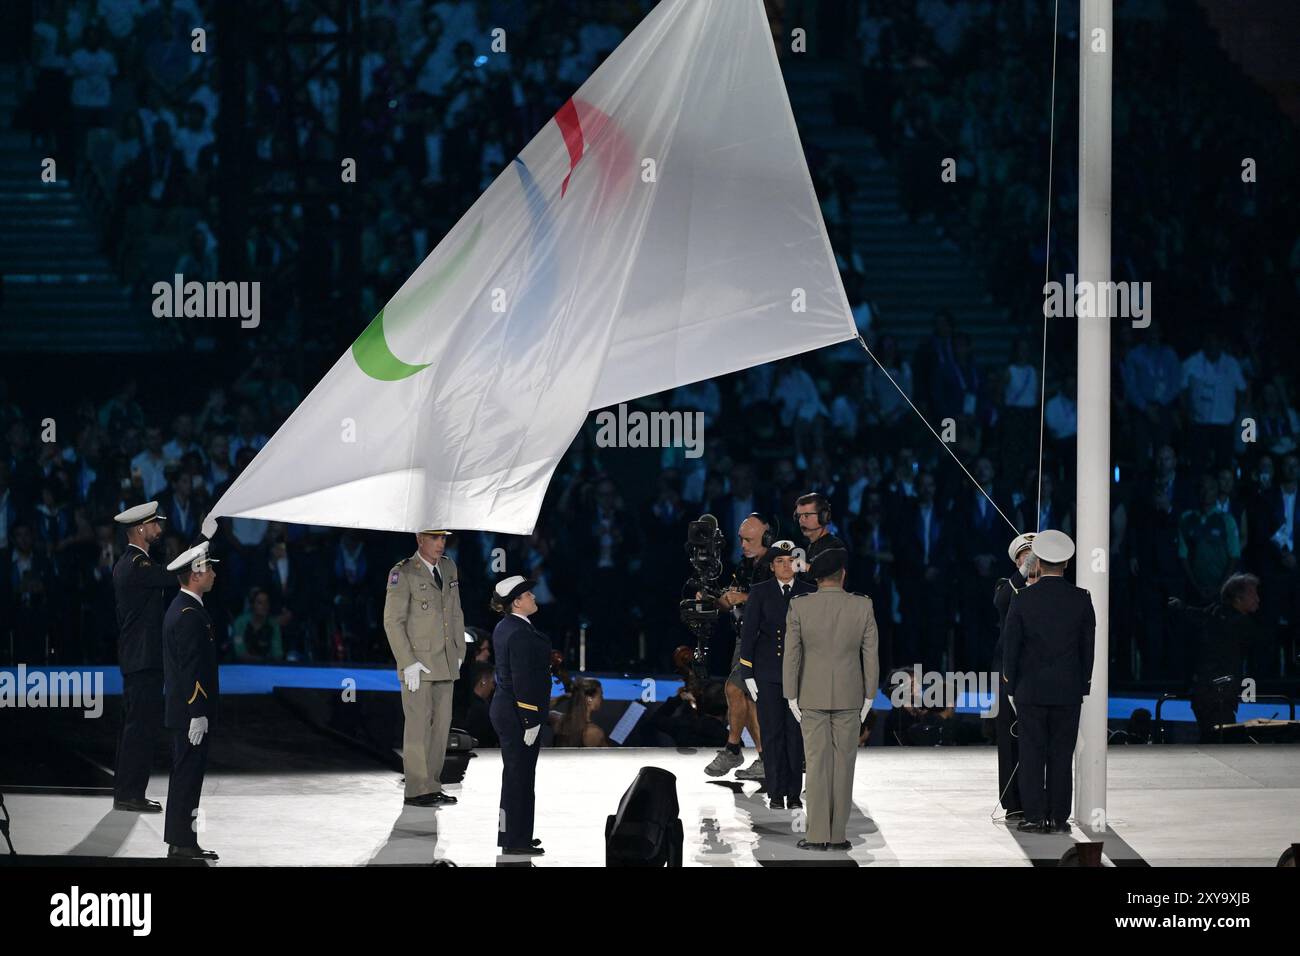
(371, 351)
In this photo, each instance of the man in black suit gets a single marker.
(191, 677)
(1048, 648)
(977, 549)
(184, 509)
(762, 643)
(925, 546)
(1160, 574)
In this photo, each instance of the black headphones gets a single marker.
(769, 528)
(823, 511)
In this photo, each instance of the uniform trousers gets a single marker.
(1047, 736)
(830, 744)
(1008, 752)
(782, 742)
(181, 826)
(518, 774)
(424, 736)
(142, 719)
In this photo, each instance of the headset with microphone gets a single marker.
(823, 510)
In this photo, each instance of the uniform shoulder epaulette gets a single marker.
(801, 594)
(139, 558)
(400, 563)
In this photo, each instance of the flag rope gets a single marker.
(1047, 265)
(863, 343)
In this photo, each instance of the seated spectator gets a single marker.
(472, 716)
(255, 635)
(912, 723)
(574, 727)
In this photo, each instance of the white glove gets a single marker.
(1012, 701)
(530, 735)
(866, 706)
(412, 676)
(794, 709)
(198, 727)
(753, 687)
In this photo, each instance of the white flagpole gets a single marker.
(1093, 468)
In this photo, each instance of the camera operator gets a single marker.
(1223, 631)
(755, 534)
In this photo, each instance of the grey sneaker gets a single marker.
(753, 772)
(723, 762)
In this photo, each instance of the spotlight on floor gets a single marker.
(1082, 854)
(646, 830)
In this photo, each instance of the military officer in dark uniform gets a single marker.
(140, 589)
(1048, 654)
(519, 707)
(1020, 551)
(190, 672)
(762, 640)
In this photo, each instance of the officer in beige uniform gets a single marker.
(426, 630)
(830, 677)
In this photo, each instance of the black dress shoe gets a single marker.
(441, 797)
(1058, 828)
(794, 803)
(805, 845)
(190, 853)
(522, 851)
(842, 845)
(423, 800)
(138, 806)
(776, 803)
(1030, 826)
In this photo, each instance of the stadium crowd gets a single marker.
(1197, 495)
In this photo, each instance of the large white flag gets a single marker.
(660, 230)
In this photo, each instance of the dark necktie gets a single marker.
(437, 578)
(785, 590)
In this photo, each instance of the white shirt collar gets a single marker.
(132, 544)
(426, 563)
(193, 595)
(520, 616)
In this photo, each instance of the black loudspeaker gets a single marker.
(646, 830)
(460, 748)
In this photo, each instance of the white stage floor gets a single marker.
(1228, 805)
